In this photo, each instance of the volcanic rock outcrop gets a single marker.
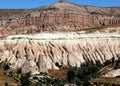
(39, 53)
(62, 41)
(60, 16)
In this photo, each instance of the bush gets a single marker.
(38, 84)
(71, 74)
(25, 79)
(113, 59)
(98, 63)
(86, 84)
(77, 81)
(19, 71)
(107, 62)
(6, 67)
(81, 75)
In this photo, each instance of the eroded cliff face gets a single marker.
(38, 55)
(65, 44)
(60, 16)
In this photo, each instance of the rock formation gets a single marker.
(65, 21)
(38, 55)
(60, 16)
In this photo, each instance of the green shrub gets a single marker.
(77, 81)
(107, 62)
(71, 74)
(25, 79)
(19, 71)
(83, 74)
(38, 83)
(113, 59)
(98, 63)
(6, 67)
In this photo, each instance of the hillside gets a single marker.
(39, 52)
(62, 6)
(60, 16)
(63, 33)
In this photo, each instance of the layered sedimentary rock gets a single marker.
(39, 53)
(65, 44)
(61, 16)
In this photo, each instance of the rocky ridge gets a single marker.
(58, 33)
(60, 16)
(39, 55)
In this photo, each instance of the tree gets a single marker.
(70, 74)
(113, 60)
(38, 83)
(98, 63)
(83, 74)
(117, 63)
(107, 62)
(86, 84)
(77, 81)
(25, 79)
(19, 71)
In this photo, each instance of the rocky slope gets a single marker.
(40, 52)
(60, 16)
(62, 41)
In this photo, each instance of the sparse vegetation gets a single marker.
(82, 74)
(38, 83)
(75, 75)
(89, 71)
(107, 62)
(6, 67)
(117, 64)
(25, 79)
